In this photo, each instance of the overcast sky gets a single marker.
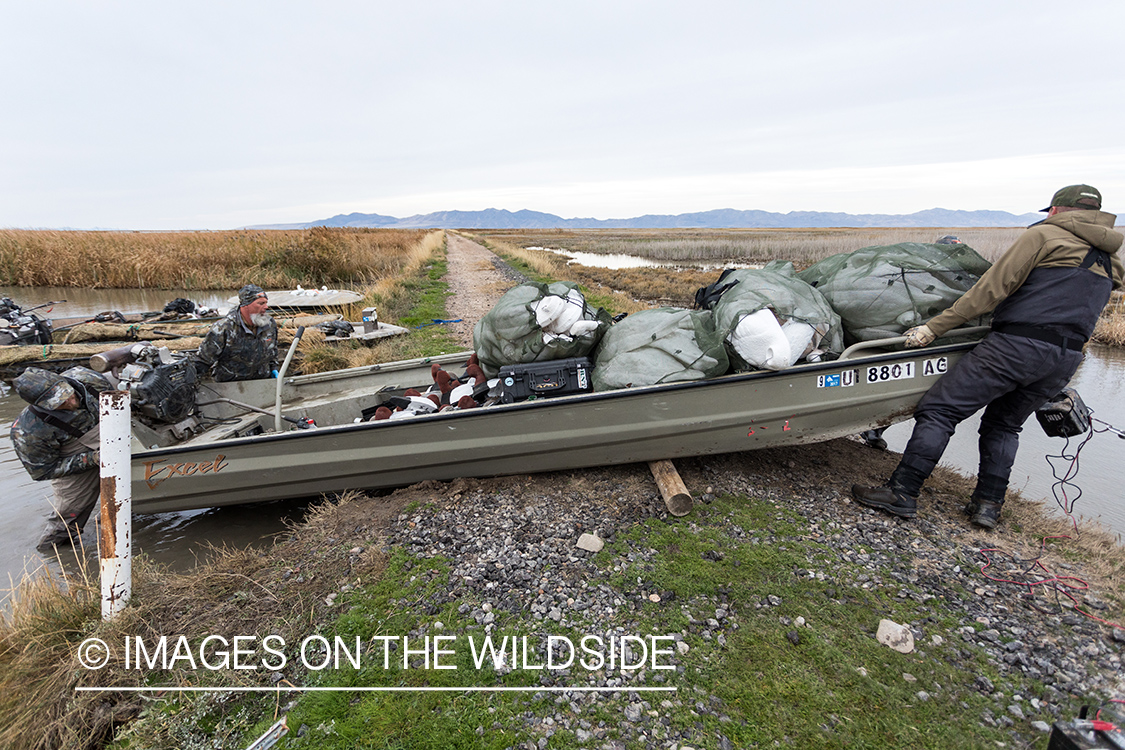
(214, 115)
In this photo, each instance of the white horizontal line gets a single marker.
(288, 689)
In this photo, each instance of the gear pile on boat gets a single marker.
(19, 326)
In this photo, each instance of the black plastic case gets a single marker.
(556, 377)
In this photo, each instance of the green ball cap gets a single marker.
(1076, 196)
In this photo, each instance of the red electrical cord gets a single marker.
(1059, 584)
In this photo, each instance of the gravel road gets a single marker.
(477, 279)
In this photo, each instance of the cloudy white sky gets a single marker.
(214, 115)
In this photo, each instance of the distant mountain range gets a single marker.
(723, 218)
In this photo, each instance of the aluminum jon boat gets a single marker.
(243, 458)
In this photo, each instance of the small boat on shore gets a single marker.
(236, 453)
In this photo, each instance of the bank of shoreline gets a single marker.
(775, 583)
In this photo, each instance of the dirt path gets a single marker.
(475, 284)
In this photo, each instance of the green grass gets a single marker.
(418, 301)
(415, 301)
(408, 719)
(837, 687)
(811, 694)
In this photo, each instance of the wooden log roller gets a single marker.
(676, 497)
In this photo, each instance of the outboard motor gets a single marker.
(180, 305)
(19, 327)
(161, 383)
(339, 328)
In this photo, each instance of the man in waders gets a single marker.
(243, 345)
(1046, 293)
(56, 438)
(874, 437)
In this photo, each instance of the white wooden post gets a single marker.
(115, 541)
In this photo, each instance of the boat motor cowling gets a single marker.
(161, 383)
(18, 326)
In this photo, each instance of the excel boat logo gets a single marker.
(159, 471)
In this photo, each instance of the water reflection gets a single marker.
(620, 260)
(181, 540)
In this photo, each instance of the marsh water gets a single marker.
(180, 539)
(622, 260)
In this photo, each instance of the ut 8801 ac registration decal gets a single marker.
(906, 370)
(883, 373)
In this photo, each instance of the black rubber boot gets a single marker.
(60, 539)
(987, 514)
(885, 499)
(987, 501)
(899, 496)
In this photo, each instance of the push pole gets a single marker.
(116, 520)
(281, 377)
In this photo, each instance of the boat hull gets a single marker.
(804, 404)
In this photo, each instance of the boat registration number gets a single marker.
(906, 370)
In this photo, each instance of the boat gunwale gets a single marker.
(562, 401)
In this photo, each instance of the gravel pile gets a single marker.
(515, 562)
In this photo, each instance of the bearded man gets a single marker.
(243, 345)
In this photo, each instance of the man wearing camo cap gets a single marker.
(1045, 295)
(56, 438)
(243, 345)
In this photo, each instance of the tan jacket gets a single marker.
(1060, 241)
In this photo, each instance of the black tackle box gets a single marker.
(555, 377)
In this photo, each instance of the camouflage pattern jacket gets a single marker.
(230, 352)
(39, 444)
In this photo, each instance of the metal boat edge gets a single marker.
(241, 461)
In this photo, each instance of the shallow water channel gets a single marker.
(180, 539)
(622, 260)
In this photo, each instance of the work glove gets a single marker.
(919, 336)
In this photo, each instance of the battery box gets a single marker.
(556, 377)
(1103, 731)
(1065, 415)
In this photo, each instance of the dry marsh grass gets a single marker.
(386, 293)
(391, 291)
(695, 256)
(38, 664)
(416, 293)
(237, 592)
(205, 260)
(717, 246)
(650, 287)
(1111, 325)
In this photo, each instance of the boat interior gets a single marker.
(237, 410)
